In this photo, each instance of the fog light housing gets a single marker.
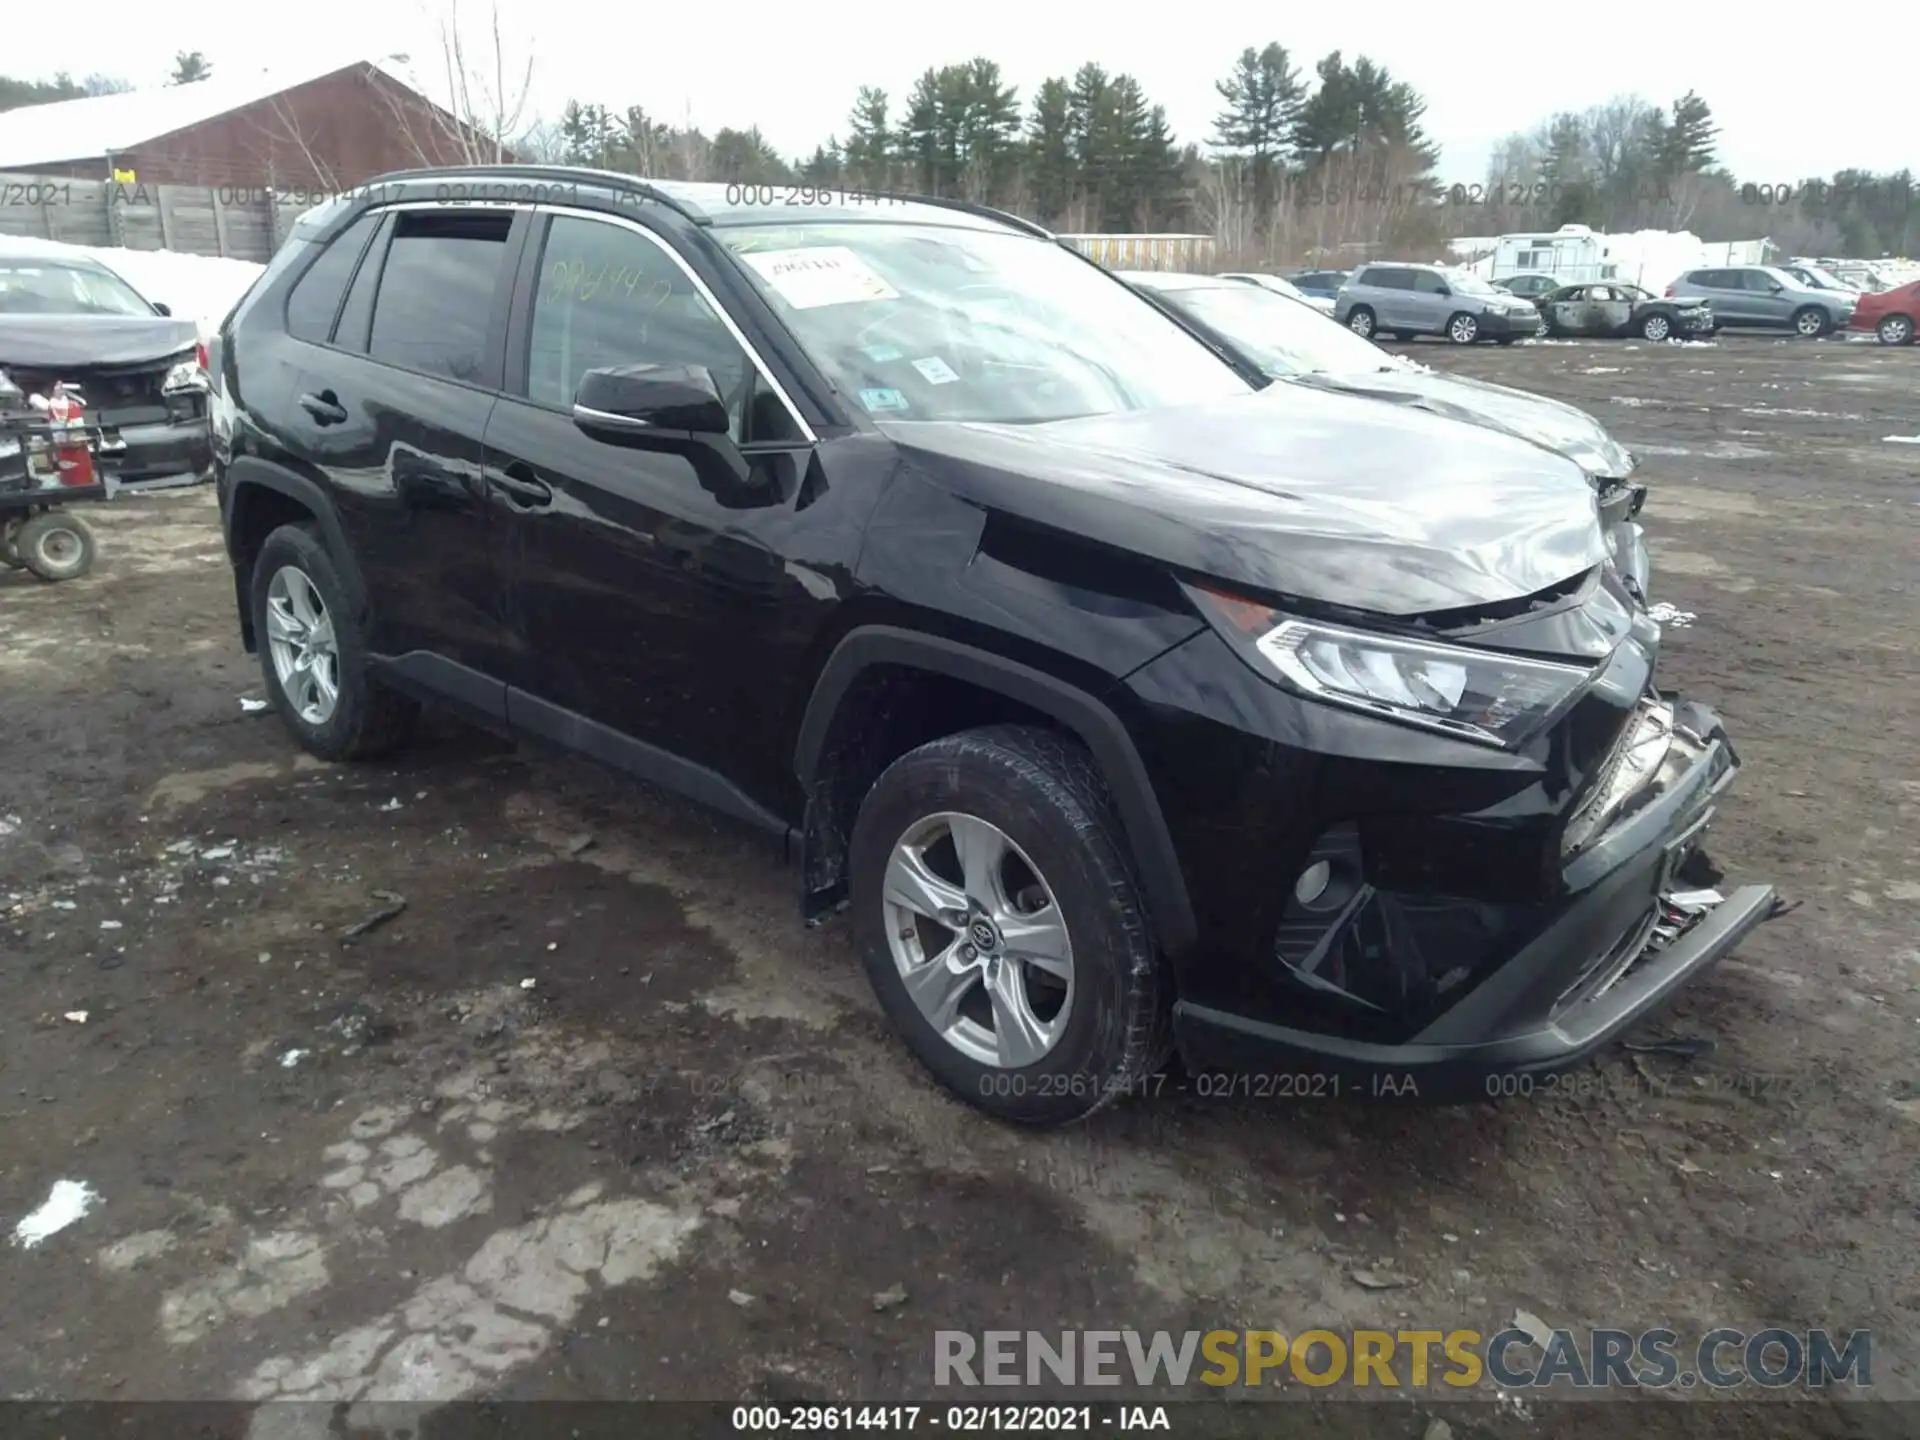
(1313, 882)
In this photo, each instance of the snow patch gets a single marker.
(69, 1200)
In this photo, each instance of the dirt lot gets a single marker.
(595, 1117)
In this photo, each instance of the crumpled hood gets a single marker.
(54, 342)
(1560, 427)
(1315, 495)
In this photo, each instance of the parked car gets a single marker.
(1124, 702)
(1765, 297)
(1410, 300)
(1815, 278)
(67, 319)
(1528, 287)
(1324, 304)
(1285, 342)
(1890, 314)
(1321, 284)
(1615, 311)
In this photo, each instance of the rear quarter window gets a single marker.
(316, 296)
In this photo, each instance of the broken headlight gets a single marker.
(1481, 695)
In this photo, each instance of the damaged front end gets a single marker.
(1416, 915)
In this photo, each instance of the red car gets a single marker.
(1890, 314)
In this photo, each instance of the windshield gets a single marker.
(1465, 284)
(941, 323)
(58, 287)
(1281, 336)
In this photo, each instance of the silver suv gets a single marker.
(1766, 297)
(1409, 300)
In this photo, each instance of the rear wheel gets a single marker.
(314, 657)
(1002, 928)
(1895, 330)
(1812, 322)
(1463, 329)
(55, 546)
(1656, 328)
(1360, 321)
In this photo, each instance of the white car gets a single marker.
(1324, 304)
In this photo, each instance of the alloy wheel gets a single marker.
(1361, 323)
(1464, 330)
(979, 941)
(1656, 327)
(1810, 324)
(1896, 330)
(304, 648)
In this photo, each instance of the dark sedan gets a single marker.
(1320, 284)
(1616, 311)
(66, 318)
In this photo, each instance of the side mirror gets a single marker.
(622, 403)
(1775, 287)
(160, 309)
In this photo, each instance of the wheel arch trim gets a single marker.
(248, 473)
(1148, 839)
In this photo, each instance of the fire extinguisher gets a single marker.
(72, 455)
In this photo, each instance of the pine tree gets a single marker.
(1049, 150)
(1691, 137)
(871, 143)
(1264, 99)
(189, 66)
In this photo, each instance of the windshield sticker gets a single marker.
(937, 371)
(881, 354)
(820, 275)
(883, 400)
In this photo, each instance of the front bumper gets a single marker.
(1604, 960)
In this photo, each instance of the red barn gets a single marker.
(312, 133)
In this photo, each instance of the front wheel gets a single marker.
(1656, 328)
(1463, 329)
(55, 546)
(313, 656)
(1002, 928)
(1895, 330)
(1360, 321)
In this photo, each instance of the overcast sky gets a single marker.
(1794, 97)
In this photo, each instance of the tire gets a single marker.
(1657, 328)
(1361, 322)
(1463, 329)
(1811, 322)
(56, 546)
(9, 552)
(1042, 797)
(364, 720)
(1895, 330)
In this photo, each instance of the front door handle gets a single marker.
(325, 408)
(524, 489)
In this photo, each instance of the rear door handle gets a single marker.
(524, 489)
(325, 408)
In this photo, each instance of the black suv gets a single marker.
(1128, 705)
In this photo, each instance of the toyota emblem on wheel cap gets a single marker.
(984, 935)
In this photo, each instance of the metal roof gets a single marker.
(98, 125)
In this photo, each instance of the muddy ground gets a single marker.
(595, 1117)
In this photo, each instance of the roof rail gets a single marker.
(613, 179)
(987, 212)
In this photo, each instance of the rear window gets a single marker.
(437, 292)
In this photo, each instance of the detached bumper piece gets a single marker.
(1504, 991)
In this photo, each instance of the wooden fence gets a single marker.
(240, 222)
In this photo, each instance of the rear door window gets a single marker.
(317, 295)
(1427, 283)
(437, 289)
